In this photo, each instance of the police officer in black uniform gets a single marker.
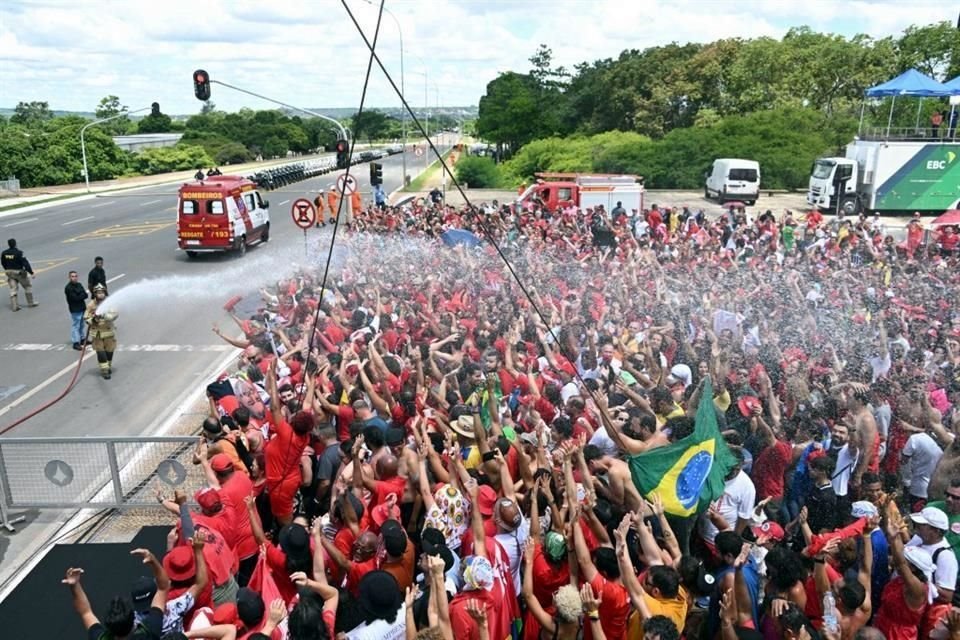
(19, 272)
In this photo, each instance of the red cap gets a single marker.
(383, 512)
(226, 614)
(221, 462)
(770, 529)
(567, 368)
(179, 564)
(746, 405)
(486, 498)
(207, 498)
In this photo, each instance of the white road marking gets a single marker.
(103, 204)
(151, 202)
(283, 203)
(115, 278)
(43, 385)
(160, 348)
(13, 224)
(77, 220)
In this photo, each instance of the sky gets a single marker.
(308, 53)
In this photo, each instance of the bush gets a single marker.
(478, 172)
(167, 159)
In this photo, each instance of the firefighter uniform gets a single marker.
(18, 271)
(103, 335)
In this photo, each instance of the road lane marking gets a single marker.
(103, 204)
(39, 266)
(145, 204)
(152, 348)
(284, 202)
(40, 387)
(13, 224)
(115, 278)
(122, 230)
(76, 221)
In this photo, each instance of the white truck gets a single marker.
(561, 190)
(888, 177)
(733, 179)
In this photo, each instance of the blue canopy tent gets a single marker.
(909, 83)
(955, 86)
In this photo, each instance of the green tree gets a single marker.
(508, 114)
(155, 123)
(167, 159)
(930, 49)
(370, 125)
(31, 113)
(232, 153)
(110, 107)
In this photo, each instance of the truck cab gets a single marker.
(830, 177)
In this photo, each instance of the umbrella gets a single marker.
(949, 217)
(453, 237)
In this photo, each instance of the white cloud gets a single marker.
(308, 53)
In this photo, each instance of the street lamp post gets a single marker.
(83, 145)
(403, 95)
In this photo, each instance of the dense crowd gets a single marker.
(424, 448)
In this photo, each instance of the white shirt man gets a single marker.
(846, 461)
(920, 457)
(737, 503)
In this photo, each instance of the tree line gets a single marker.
(40, 148)
(666, 112)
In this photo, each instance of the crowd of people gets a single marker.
(438, 443)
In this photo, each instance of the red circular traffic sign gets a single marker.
(304, 213)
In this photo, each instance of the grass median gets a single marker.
(427, 178)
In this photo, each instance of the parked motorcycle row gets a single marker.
(287, 174)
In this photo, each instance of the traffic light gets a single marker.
(376, 174)
(343, 154)
(155, 109)
(201, 85)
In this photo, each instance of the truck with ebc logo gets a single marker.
(888, 176)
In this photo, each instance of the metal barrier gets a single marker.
(76, 473)
(9, 187)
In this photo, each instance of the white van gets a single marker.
(733, 179)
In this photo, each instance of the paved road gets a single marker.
(166, 345)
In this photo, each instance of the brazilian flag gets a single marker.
(688, 474)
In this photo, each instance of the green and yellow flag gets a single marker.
(687, 474)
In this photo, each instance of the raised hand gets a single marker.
(72, 576)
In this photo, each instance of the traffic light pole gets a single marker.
(343, 132)
(83, 144)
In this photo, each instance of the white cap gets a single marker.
(933, 517)
(680, 373)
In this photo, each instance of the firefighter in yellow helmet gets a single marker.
(102, 332)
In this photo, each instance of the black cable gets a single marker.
(480, 222)
(337, 222)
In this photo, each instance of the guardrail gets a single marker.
(101, 472)
(909, 134)
(10, 187)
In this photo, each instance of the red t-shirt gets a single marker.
(222, 562)
(547, 578)
(283, 453)
(614, 608)
(277, 561)
(769, 469)
(356, 572)
(238, 533)
(498, 614)
(814, 607)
